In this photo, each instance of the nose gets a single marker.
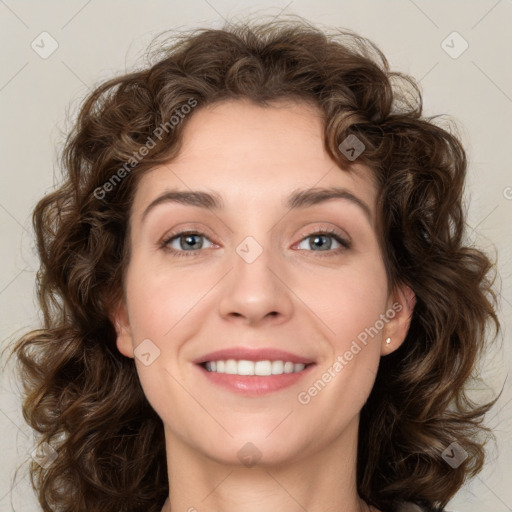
(255, 290)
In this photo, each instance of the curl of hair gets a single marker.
(84, 398)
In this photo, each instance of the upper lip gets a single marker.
(251, 354)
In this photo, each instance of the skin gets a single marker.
(294, 296)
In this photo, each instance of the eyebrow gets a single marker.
(298, 199)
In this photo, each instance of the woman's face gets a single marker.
(274, 267)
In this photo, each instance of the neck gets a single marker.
(323, 480)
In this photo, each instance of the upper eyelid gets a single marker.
(187, 230)
(328, 229)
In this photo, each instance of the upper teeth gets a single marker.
(244, 367)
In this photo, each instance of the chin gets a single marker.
(253, 448)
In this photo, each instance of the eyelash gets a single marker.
(345, 244)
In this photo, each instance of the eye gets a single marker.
(190, 243)
(323, 240)
(184, 243)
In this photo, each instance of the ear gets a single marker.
(119, 318)
(401, 302)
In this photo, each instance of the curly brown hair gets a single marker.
(84, 398)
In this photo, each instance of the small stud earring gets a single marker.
(388, 340)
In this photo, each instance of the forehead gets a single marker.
(253, 154)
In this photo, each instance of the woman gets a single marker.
(255, 288)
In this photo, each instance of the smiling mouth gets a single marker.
(259, 368)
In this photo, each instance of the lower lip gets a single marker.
(255, 385)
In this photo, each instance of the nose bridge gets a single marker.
(255, 289)
(252, 267)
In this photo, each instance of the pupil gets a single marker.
(188, 239)
(320, 237)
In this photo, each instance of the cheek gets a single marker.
(350, 304)
(348, 300)
(159, 307)
(160, 299)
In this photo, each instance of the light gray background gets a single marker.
(97, 40)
